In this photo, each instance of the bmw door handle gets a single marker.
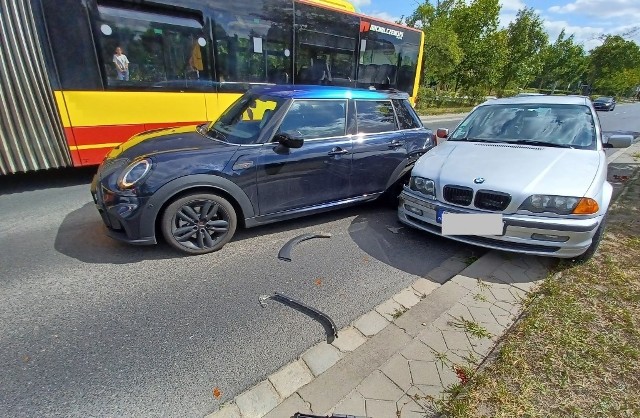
(395, 144)
(338, 151)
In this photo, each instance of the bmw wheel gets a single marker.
(199, 223)
(595, 242)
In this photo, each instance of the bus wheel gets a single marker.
(199, 223)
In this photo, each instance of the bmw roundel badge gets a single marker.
(478, 180)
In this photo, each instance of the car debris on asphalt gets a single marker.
(285, 251)
(328, 324)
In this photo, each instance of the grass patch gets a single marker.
(434, 111)
(576, 350)
(471, 259)
(480, 297)
(398, 313)
(471, 327)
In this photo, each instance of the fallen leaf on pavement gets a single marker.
(318, 282)
(217, 393)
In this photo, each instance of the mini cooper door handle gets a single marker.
(338, 151)
(395, 144)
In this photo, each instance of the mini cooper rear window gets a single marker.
(375, 116)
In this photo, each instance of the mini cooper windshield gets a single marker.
(561, 126)
(243, 121)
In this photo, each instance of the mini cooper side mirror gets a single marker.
(288, 141)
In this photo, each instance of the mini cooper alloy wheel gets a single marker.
(199, 223)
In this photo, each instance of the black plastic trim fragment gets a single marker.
(328, 324)
(285, 251)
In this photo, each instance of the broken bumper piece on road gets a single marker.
(328, 324)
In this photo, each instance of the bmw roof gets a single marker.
(327, 92)
(542, 99)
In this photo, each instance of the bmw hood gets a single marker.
(164, 140)
(515, 169)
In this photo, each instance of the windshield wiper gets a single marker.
(470, 139)
(540, 143)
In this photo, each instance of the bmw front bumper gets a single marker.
(526, 234)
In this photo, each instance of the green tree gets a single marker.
(614, 66)
(484, 48)
(442, 52)
(526, 39)
(564, 64)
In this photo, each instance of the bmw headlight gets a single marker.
(423, 185)
(562, 205)
(134, 172)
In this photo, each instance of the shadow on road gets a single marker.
(82, 236)
(46, 179)
(384, 238)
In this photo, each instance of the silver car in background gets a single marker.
(525, 174)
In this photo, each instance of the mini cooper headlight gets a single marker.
(134, 172)
(423, 185)
(562, 205)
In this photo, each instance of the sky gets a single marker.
(586, 19)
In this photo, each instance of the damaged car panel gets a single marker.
(285, 252)
(330, 327)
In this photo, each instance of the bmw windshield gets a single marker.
(243, 121)
(552, 125)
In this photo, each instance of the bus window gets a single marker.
(326, 46)
(388, 57)
(253, 42)
(153, 51)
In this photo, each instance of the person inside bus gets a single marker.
(122, 64)
(321, 70)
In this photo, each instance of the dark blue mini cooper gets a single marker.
(277, 153)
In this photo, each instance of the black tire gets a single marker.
(595, 242)
(390, 197)
(199, 223)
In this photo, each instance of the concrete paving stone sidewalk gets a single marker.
(405, 352)
(395, 360)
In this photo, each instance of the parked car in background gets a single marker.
(524, 174)
(604, 103)
(277, 153)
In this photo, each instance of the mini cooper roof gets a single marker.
(327, 92)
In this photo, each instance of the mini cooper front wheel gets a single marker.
(199, 223)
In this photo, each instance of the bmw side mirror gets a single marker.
(288, 141)
(441, 135)
(619, 141)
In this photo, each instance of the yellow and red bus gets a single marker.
(79, 77)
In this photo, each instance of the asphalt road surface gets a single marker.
(92, 327)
